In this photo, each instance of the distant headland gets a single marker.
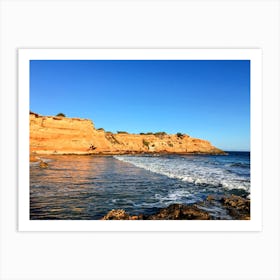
(62, 135)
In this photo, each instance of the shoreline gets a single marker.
(35, 157)
(236, 207)
(223, 206)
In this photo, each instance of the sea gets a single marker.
(88, 187)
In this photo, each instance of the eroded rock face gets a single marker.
(237, 206)
(60, 135)
(51, 135)
(116, 214)
(180, 212)
(172, 212)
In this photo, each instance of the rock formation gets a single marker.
(180, 212)
(237, 208)
(43, 164)
(51, 135)
(61, 135)
(172, 212)
(120, 214)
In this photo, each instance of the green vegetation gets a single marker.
(146, 133)
(160, 134)
(101, 129)
(180, 135)
(122, 132)
(61, 115)
(146, 143)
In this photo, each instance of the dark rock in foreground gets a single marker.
(180, 212)
(120, 214)
(172, 212)
(237, 207)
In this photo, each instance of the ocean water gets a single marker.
(87, 187)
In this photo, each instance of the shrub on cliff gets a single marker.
(61, 115)
(122, 132)
(180, 135)
(160, 134)
(35, 114)
(146, 143)
(146, 133)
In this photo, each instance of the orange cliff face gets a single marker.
(60, 135)
(50, 135)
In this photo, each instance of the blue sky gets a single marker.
(208, 99)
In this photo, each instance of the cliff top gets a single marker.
(158, 134)
(57, 117)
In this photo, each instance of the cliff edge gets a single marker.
(61, 135)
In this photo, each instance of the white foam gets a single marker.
(189, 170)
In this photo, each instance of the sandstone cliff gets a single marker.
(60, 135)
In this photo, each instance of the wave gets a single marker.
(190, 170)
(240, 164)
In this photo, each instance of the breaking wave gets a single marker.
(198, 170)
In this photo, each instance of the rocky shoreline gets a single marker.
(36, 157)
(236, 207)
(230, 207)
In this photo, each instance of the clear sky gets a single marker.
(208, 99)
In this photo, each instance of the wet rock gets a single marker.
(139, 217)
(43, 164)
(210, 198)
(120, 214)
(231, 207)
(116, 214)
(172, 212)
(237, 206)
(180, 212)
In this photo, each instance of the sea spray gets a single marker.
(219, 171)
(88, 187)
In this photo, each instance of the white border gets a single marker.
(254, 55)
